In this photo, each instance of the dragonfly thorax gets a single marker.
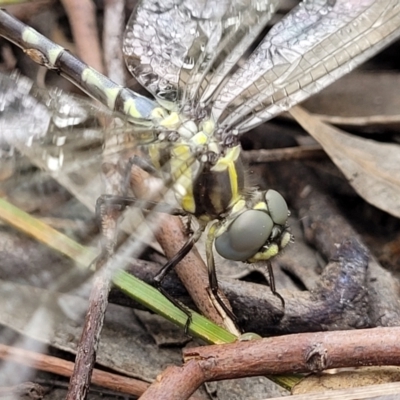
(209, 182)
(208, 176)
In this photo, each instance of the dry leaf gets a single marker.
(372, 168)
(364, 376)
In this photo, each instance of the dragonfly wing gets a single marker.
(171, 48)
(60, 134)
(314, 45)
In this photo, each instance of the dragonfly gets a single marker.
(208, 87)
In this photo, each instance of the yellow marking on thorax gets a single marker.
(172, 121)
(188, 203)
(228, 162)
(181, 151)
(183, 176)
(200, 138)
(261, 206)
(208, 127)
(238, 206)
(154, 154)
(158, 113)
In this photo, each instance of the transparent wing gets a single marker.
(65, 136)
(179, 50)
(314, 45)
(60, 153)
(51, 146)
(33, 149)
(56, 132)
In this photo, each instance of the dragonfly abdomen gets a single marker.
(44, 52)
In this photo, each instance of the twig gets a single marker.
(368, 121)
(82, 17)
(98, 301)
(176, 383)
(385, 391)
(303, 352)
(306, 352)
(114, 24)
(284, 154)
(339, 299)
(88, 344)
(65, 368)
(25, 10)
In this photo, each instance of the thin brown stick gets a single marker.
(114, 24)
(25, 10)
(285, 154)
(380, 120)
(176, 383)
(65, 368)
(98, 301)
(82, 17)
(385, 391)
(88, 344)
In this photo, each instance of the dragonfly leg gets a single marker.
(178, 257)
(122, 202)
(188, 228)
(158, 279)
(141, 163)
(107, 214)
(212, 274)
(272, 284)
(119, 203)
(179, 305)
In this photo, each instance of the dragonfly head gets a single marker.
(256, 232)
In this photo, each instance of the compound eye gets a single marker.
(277, 207)
(245, 236)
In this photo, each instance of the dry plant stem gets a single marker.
(325, 226)
(98, 301)
(25, 11)
(114, 24)
(176, 383)
(299, 353)
(368, 121)
(306, 352)
(88, 344)
(65, 368)
(285, 154)
(191, 270)
(384, 391)
(82, 17)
